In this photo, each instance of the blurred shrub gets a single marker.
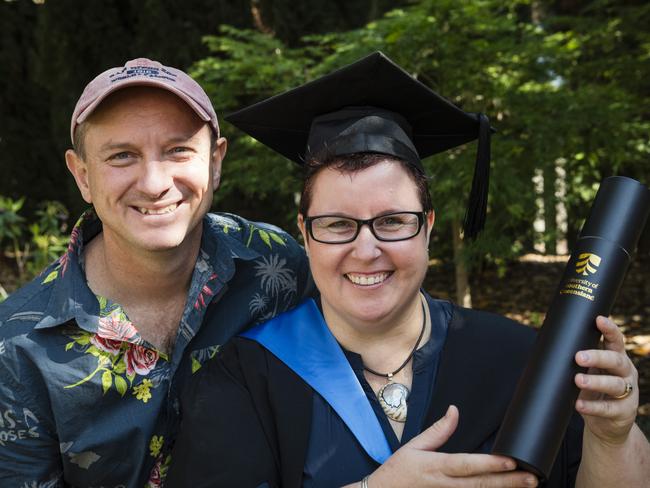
(30, 244)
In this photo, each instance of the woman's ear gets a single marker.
(430, 219)
(303, 230)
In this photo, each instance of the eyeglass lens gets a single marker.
(397, 226)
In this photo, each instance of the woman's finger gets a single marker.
(613, 338)
(464, 465)
(436, 435)
(613, 386)
(516, 479)
(616, 363)
(611, 408)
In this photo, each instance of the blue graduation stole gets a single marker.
(301, 339)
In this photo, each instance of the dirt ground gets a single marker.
(524, 293)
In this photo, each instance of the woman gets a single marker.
(339, 391)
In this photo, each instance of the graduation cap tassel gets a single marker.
(477, 205)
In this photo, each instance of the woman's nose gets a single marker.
(366, 245)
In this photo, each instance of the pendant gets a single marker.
(392, 398)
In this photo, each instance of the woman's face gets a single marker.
(391, 272)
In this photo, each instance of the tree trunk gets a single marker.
(463, 292)
(550, 213)
(560, 207)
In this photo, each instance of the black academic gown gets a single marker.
(247, 416)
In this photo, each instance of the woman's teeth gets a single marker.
(366, 279)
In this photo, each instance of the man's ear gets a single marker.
(79, 169)
(219, 152)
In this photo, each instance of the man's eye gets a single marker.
(180, 150)
(120, 156)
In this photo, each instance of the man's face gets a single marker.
(148, 170)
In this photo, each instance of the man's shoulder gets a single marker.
(19, 315)
(259, 237)
(26, 305)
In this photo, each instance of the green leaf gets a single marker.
(69, 346)
(277, 238)
(95, 352)
(107, 381)
(214, 350)
(195, 365)
(50, 277)
(102, 303)
(82, 340)
(265, 237)
(120, 367)
(120, 384)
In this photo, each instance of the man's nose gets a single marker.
(155, 178)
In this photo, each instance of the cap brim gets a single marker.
(90, 108)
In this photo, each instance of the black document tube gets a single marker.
(544, 400)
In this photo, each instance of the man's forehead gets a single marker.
(167, 138)
(128, 119)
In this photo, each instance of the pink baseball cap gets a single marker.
(143, 72)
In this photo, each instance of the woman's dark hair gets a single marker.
(351, 163)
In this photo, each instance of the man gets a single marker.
(94, 352)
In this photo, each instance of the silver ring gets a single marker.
(628, 390)
(364, 482)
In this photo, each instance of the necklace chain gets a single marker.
(417, 343)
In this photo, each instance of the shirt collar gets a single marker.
(71, 298)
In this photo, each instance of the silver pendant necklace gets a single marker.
(392, 396)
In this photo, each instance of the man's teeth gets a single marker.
(158, 211)
(367, 280)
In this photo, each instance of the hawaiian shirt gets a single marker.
(85, 401)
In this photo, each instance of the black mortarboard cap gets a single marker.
(371, 105)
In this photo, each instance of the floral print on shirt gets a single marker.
(121, 353)
(84, 398)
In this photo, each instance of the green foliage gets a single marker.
(31, 246)
(565, 84)
(48, 236)
(10, 220)
(50, 50)
(563, 92)
(249, 65)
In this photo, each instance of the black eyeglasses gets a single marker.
(334, 229)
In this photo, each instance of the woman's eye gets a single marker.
(390, 222)
(340, 225)
(328, 224)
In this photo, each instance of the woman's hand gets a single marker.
(607, 417)
(417, 464)
(614, 451)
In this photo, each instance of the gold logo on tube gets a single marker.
(587, 263)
